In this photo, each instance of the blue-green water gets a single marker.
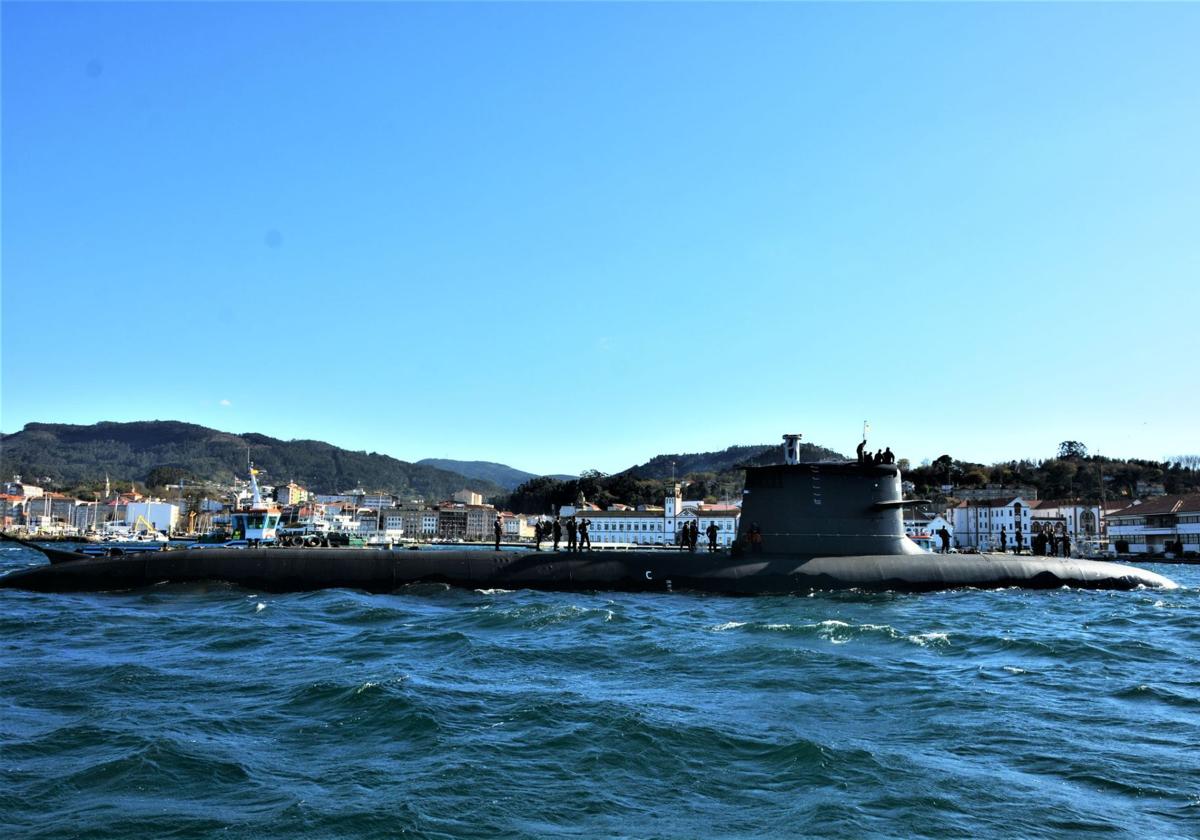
(189, 711)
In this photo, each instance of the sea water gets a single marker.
(212, 710)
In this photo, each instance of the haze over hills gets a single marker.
(163, 451)
(502, 474)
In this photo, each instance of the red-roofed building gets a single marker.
(1157, 525)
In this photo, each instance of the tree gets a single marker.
(1072, 449)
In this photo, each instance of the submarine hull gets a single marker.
(284, 569)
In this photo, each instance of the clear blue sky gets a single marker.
(575, 236)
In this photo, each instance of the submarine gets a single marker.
(816, 526)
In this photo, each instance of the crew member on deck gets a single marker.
(944, 536)
(585, 538)
(537, 536)
(888, 456)
(497, 529)
(861, 450)
(711, 530)
(1003, 541)
(557, 531)
(572, 532)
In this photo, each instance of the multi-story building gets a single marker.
(662, 526)
(1156, 524)
(979, 524)
(291, 494)
(1079, 520)
(479, 521)
(468, 497)
(419, 522)
(452, 522)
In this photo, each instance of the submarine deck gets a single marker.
(383, 570)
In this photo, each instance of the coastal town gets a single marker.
(976, 519)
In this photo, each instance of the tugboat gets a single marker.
(804, 527)
(257, 524)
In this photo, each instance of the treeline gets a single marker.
(1072, 475)
(711, 476)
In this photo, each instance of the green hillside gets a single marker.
(158, 452)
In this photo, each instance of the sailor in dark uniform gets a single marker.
(497, 529)
(711, 530)
(537, 536)
(861, 450)
(572, 531)
(944, 536)
(585, 539)
(557, 532)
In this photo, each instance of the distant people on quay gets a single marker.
(711, 530)
(498, 530)
(572, 535)
(585, 538)
(944, 536)
(557, 531)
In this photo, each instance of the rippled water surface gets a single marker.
(188, 711)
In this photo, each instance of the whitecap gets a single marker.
(924, 639)
(259, 607)
(365, 686)
(495, 591)
(728, 625)
(1013, 669)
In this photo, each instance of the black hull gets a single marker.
(301, 569)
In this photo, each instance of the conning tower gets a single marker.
(825, 509)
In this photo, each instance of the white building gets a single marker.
(1154, 525)
(925, 524)
(163, 516)
(1079, 520)
(662, 526)
(468, 497)
(979, 525)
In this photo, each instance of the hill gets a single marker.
(681, 465)
(706, 475)
(157, 452)
(501, 474)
